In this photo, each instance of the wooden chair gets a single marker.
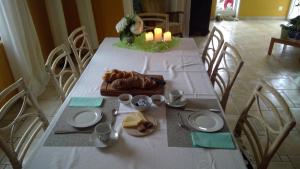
(152, 20)
(212, 48)
(176, 25)
(81, 47)
(264, 151)
(225, 72)
(62, 70)
(177, 18)
(18, 93)
(175, 13)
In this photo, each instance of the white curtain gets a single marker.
(128, 7)
(57, 21)
(22, 45)
(294, 9)
(86, 16)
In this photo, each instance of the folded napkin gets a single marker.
(86, 101)
(126, 109)
(212, 140)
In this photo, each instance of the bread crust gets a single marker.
(123, 80)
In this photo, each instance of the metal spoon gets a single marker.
(114, 114)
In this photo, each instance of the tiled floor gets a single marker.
(282, 70)
(49, 102)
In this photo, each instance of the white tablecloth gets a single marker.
(183, 69)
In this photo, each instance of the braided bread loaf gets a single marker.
(110, 76)
(134, 83)
(123, 80)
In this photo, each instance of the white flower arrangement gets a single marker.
(130, 26)
(121, 25)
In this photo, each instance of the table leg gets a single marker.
(284, 48)
(271, 46)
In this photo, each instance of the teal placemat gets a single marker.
(152, 46)
(221, 140)
(86, 101)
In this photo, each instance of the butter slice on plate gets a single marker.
(133, 120)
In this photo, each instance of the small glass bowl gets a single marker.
(158, 99)
(125, 98)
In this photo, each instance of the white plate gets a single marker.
(85, 118)
(205, 121)
(177, 104)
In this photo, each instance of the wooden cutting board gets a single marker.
(107, 90)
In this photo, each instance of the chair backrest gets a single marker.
(212, 48)
(225, 72)
(81, 47)
(152, 20)
(177, 18)
(62, 70)
(176, 25)
(15, 108)
(273, 122)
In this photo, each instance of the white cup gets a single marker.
(175, 95)
(103, 130)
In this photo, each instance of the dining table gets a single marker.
(182, 69)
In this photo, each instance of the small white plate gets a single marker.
(136, 133)
(85, 118)
(177, 104)
(205, 121)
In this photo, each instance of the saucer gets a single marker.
(180, 103)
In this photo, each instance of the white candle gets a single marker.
(157, 34)
(167, 36)
(149, 36)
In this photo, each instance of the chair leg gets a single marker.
(10, 154)
(237, 129)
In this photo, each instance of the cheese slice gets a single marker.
(140, 115)
(133, 120)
